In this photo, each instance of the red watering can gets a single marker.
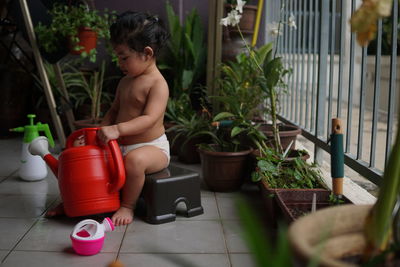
(89, 174)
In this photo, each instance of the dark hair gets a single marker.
(138, 30)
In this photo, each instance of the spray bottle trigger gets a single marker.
(45, 128)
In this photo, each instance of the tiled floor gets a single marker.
(29, 239)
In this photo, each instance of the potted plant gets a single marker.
(286, 172)
(190, 129)
(239, 86)
(183, 63)
(79, 25)
(87, 88)
(225, 161)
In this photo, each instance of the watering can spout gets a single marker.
(40, 146)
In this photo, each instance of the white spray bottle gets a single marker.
(32, 168)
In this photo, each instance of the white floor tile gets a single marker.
(24, 206)
(3, 254)
(240, 260)
(175, 237)
(173, 260)
(234, 238)
(12, 230)
(210, 210)
(15, 185)
(59, 259)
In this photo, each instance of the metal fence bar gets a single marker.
(351, 85)
(296, 86)
(322, 76)
(308, 113)
(343, 22)
(285, 49)
(392, 81)
(315, 48)
(292, 34)
(362, 103)
(377, 92)
(303, 34)
(331, 63)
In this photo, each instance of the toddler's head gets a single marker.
(138, 30)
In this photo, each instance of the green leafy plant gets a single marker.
(88, 86)
(184, 61)
(66, 21)
(273, 71)
(179, 108)
(231, 132)
(278, 172)
(65, 67)
(188, 128)
(240, 85)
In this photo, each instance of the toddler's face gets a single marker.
(130, 62)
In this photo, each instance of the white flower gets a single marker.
(232, 19)
(274, 29)
(292, 21)
(239, 5)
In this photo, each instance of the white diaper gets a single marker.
(161, 142)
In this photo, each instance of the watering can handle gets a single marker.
(81, 224)
(118, 174)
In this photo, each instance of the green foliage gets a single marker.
(278, 172)
(190, 125)
(179, 108)
(89, 86)
(184, 60)
(264, 252)
(240, 85)
(335, 200)
(233, 132)
(66, 20)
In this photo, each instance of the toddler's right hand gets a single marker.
(107, 133)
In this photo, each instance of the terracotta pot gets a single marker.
(329, 235)
(248, 19)
(87, 39)
(232, 43)
(224, 171)
(288, 133)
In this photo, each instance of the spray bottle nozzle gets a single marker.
(31, 131)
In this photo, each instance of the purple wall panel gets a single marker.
(156, 7)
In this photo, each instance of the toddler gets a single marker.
(136, 115)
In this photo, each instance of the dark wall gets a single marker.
(157, 7)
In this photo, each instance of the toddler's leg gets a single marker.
(138, 162)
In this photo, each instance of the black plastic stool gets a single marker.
(163, 190)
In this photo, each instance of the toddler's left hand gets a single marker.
(107, 133)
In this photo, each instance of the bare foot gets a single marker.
(57, 211)
(122, 216)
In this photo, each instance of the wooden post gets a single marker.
(215, 13)
(42, 72)
(337, 157)
(69, 114)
